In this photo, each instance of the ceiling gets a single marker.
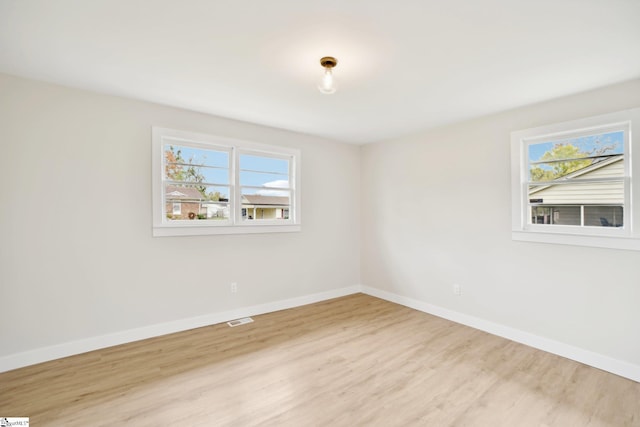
(403, 66)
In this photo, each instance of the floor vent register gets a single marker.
(239, 322)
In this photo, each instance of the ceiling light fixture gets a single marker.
(328, 84)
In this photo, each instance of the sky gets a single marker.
(267, 173)
(585, 144)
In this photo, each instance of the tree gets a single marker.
(173, 165)
(564, 159)
(558, 166)
(177, 169)
(539, 174)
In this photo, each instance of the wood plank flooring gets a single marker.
(352, 361)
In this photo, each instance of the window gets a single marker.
(204, 184)
(572, 182)
(265, 187)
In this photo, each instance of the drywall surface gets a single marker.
(436, 211)
(77, 256)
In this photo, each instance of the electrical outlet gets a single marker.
(234, 288)
(457, 290)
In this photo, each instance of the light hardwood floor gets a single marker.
(351, 361)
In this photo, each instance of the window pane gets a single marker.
(559, 215)
(603, 216)
(256, 205)
(196, 202)
(576, 157)
(190, 164)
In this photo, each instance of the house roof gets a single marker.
(258, 199)
(174, 192)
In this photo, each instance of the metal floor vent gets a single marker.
(239, 322)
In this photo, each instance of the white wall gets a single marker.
(437, 211)
(77, 259)
(408, 217)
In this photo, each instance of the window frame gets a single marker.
(234, 225)
(625, 237)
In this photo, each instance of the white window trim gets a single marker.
(626, 237)
(235, 225)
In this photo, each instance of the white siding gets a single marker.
(613, 170)
(587, 193)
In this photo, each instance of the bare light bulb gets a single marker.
(327, 84)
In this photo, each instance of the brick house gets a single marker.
(183, 202)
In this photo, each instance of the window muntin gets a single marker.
(211, 185)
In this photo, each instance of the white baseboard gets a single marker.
(46, 354)
(606, 363)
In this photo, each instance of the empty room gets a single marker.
(342, 213)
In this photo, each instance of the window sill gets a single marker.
(610, 242)
(167, 231)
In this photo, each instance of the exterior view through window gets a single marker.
(204, 185)
(578, 181)
(265, 187)
(196, 183)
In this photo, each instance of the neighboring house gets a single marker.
(188, 203)
(184, 202)
(256, 206)
(587, 203)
